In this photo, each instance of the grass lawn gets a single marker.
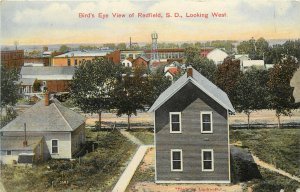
(144, 135)
(95, 171)
(280, 147)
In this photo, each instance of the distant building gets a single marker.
(74, 58)
(246, 64)
(12, 59)
(52, 79)
(126, 63)
(52, 131)
(217, 55)
(118, 56)
(33, 60)
(141, 61)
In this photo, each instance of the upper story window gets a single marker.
(206, 122)
(175, 122)
(54, 146)
(207, 160)
(176, 160)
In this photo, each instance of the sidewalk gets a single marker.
(131, 137)
(272, 168)
(125, 178)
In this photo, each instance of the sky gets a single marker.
(59, 22)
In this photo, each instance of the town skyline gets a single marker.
(45, 23)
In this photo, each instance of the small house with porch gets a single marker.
(192, 132)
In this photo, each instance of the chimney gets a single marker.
(25, 144)
(47, 98)
(189, 71)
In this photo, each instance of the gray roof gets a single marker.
(27, 81)
(70, 70)
(202, 83)
(16, 142)
(41, 118)
(100, 53)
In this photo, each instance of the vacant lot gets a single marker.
(97, 170)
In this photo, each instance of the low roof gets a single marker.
(52, 118)
(101, 53)
(16, 142)
(202, 83)
(249, 63)
(48, 73)
(27, 81)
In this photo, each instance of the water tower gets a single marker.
(154, 51)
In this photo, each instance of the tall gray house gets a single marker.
(192, 132)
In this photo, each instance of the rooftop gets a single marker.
(100, 53)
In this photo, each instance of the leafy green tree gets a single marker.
(205, 66)
(121, 46)
(64, 48)
(93, 84)
(252, 92)
(130, 94)
(255, 49)
(282, 100)
(186, 45)
(110, 45)
(227, 77)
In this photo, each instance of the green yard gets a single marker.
(280, 147)
(144, 135)
(95, 171)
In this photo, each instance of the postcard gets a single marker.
(177, 96)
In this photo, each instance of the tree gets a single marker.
(130, 93)
(255, 49)
(109, 45)
(252, 92)
(205, 66)
(227, 76)
(282, 100)
(9, 88)
(93, 84)
(64, 48)
(121, 46)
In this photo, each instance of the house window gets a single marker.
(206, 122)
(54, 147)
(176, 160)
(207, 160)
(75, 62)
(175, 122)
(8, 152)
(69, 62)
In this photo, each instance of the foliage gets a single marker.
(130, 93)
(252, 92)
(9, 87)
(255, 48)
(121, 46)
(110, 45)
(87, 47)
(279, 147)
(144, 135)
(279, 84)
(205, 66)
(227, 76)
(11, 114)
(93, 84)
(64, 48)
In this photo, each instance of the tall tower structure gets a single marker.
(154, 51)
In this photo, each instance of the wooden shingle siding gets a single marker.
(190, 101)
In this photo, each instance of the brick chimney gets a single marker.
(47, 98)
(189, 71)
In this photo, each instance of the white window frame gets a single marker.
(212, 159)
(181, 160)
(170, 117)
(56, 146)
(211, 121)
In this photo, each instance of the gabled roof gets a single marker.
(202, 83)
(52, 118)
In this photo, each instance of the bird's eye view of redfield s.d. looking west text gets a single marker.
(150, 96)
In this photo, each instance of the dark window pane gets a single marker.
(207, 165)
(54, 142)
(175, 118)
(206, 117)
(54, 150)
(175, 127)
(176, 165)
(176, 155)
(206, 127)
(207, 155)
